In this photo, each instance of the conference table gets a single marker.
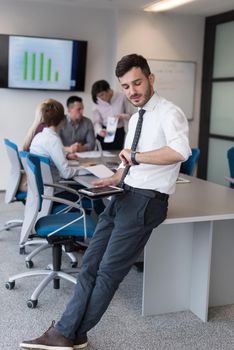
(189, 259)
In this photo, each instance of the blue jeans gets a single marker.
(122, 231)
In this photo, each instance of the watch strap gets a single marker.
(133, 158)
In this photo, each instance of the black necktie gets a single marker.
(134, 143)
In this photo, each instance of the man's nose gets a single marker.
(132, 90)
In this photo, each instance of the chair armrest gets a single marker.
(71, 204)
(62, 187)
(63, 201)
(68, 182)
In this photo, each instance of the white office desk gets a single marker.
(189, 259)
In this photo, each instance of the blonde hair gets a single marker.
(37, 121)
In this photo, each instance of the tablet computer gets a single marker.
(101, 191)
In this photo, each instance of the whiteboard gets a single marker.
(175, 80)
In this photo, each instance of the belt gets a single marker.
(147, 193)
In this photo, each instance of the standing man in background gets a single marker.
(109, 104)
(156, 144)
(77, 134)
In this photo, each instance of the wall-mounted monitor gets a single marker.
(42, 63)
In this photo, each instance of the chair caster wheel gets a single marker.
(29, 264)
(32, 304)
(10, 285)
(74, 264)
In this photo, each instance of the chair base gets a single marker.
(49, 276)
(29, 262)
(11, 224)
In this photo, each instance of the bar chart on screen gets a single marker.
(40, 62)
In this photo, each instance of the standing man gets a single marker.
(156, 144)
(77, 134)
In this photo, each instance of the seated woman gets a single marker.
(37, 126)
(48, 143)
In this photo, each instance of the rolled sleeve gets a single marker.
(58, 158)
(175, 127)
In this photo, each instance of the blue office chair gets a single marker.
(230, 157)
(59, 230)
(188, 167)
(13, 194)
(28, 235)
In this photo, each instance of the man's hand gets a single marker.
(81, 148)
(72, 156)
(73, 148)
(125, 156)
(110, 181)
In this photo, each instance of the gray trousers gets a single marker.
(120, 236)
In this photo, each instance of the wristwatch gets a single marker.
(133, 158)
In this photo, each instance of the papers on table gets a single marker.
(100, 170)
(89, 154)
(95, 154)
(182, 180)
(87, 175)
(108, 154)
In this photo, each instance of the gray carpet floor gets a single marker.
(121, 328)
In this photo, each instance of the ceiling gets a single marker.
(197, 7)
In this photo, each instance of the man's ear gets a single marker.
(152, 78)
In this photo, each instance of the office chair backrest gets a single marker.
(46, 177)
(15, 171)
(188, 167)
(230, 156)
(35, 191)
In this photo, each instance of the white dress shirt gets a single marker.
(164, 124)
(48, 143)
(102, 110)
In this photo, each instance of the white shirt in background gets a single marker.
(102, 110)
(47, 143)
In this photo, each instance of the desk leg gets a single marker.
(222, 264)
(177, 269)
(200, 269)
(167, 269)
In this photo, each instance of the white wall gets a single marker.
(18, 17)
(110, 35)
(169, 37)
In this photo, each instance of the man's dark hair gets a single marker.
(128, 62)
(52, 113)
(73, 99)
(99, 86)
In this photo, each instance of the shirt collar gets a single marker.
(152, 103)
(49, 131)
(70, 121)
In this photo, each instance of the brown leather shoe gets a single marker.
(50, 340)
(80, 342)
